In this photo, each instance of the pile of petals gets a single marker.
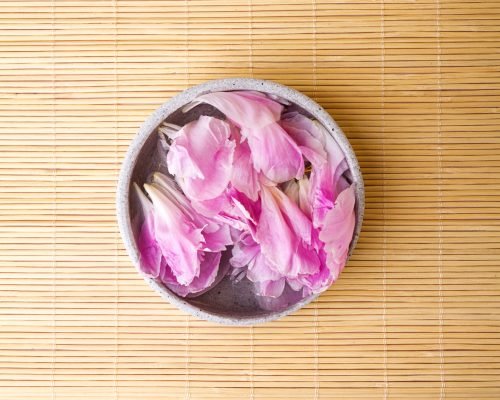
(264, 185)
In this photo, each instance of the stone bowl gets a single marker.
(227, 303)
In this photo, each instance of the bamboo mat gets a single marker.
(416, 87)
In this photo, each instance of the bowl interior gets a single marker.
(227, 302)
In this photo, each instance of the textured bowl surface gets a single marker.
(226, 303)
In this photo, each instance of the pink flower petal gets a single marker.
(216, 236)
(209, 268)
(201, 158)
(286, 299)
(319, 281)
(241, 213)
(210, 208)
(149, 250)
(177, 236)
(274, 153)
(284, 234)
(259, 270)
(299, 192)
(308, 135)
(245, 109)
(244, 251)
(304, 196)
(218, 239)
(327, 159)
(339, 227)
(272, 289)
(244, 177)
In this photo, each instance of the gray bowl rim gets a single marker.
(166, 109)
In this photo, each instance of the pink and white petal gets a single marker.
(274, 153)
(201, 158)
(244, 252)
(304, 199)
(260, 270)
(293, 215)
(339, 226)
(209, 268)
(322, 194)
(217, 240)
(287, 298)
(304, 261)
(180, 161)
(170, 189)
(278, 242)
(291, 189)
(320, 281)
(308, 136)
(215, 180)
(211, 208)
(270, 288)
(178, 237)
(149, 250)
(244, 176)
(245, 109)
(167, 276)
(285, 235)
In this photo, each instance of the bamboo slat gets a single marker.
(416, 88)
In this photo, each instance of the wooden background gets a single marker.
(416, 87)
